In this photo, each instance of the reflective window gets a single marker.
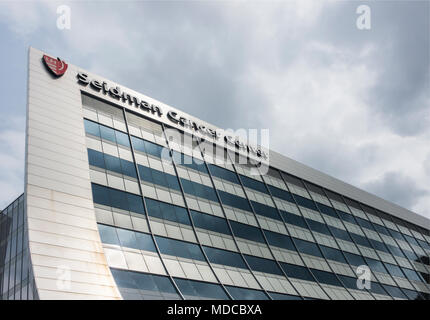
(412, 275)
(224, 257)
(223, 173)
(158, 177)
(394, 270)
(294, 219)
(117, 198)
(326, 277)
(92, 128)
(199, 190)
(108, 234)
(307, 247)
(265, 210)
(354, 259)
(305, 202)
(282, 194)
(318, 226)
(253, 184)
(333, 254)
(126, 238)
(234, 201)
(147, 147)
(375, 265)
(246, 294)
(195, 290)
(327, 210)
(210, 222)
(263, 265)
(167, 211)
(283, 296)
(279, 240)
(295, 271)
(246, 231)
(394, 291)
(190, 162)
(179, 248)
(146, 286)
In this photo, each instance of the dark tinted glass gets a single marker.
(295, 271)
(224, 257)
(279, 240)
(209, 222)
(198, 290)
(246, 231)
(246, 294)
(307, 247)
(263, 265)
(179, 248)
(223, 173)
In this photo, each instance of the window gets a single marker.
(375, 265)
(234, 201)
(167, 211)
(108, 234)
(326, 277)
(333, 254)
(354, 259)
(199, 190)
(246, 294)
(149, 286)
(265, 210)
(282, 194)
(179, 248)
(263, 265)
(412, 275)
(117, 199)
(92, 128)
(224, 257)
(327, 210)
(294, 219)
(158, 177)
(305, 202)
(394, 270)
(253, 184)
(209, 222)
(223, 173)
(298, 272)
(307, 247)
(111, 163)
(394, 291)
(247, 232)
(283, 296)
(279, 240)
(147, 147)
(318, 226)
(195, 290)
(190, 162)
(126, 238)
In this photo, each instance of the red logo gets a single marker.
(56, 66)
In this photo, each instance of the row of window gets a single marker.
(117, 199)
(106, 133)
(154, 176)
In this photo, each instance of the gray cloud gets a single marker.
(399, 188)
(351, 103)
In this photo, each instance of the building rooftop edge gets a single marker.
(284, 163)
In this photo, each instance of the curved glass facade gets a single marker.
(175, 224)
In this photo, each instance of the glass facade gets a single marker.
(15, 271)
(177, 223)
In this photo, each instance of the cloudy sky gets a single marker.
(352, 103)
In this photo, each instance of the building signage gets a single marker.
(118, 94)
(56, 66)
